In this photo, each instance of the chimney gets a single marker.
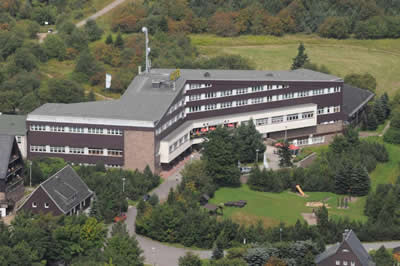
(346, 232)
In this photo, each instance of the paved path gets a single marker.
(156, 253)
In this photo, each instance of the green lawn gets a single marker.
(381, 58)
(273, 208)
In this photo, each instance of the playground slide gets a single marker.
(300, 190)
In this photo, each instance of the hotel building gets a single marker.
(164, 112)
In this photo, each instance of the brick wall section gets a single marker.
(41, 197)
(139, 149)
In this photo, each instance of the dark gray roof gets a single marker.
(66, 189)
(142, 102)
(6, 144)
(327, 253)
(354, 99)
(13, 124)
(210, 207)
(356, 247)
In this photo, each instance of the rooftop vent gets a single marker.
(269, 74)
(207, 74)
(155, 84)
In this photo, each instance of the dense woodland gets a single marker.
(329, 18)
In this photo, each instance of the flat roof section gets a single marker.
(13, 124)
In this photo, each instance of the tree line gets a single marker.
(343, 169)
(361, 18)
(70, 240)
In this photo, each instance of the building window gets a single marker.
(194, 109)
(38, 148)
(226, 93)
(268, 99)
(316, 140)
(241, 91)
(57, 129)
(292, 117)
(307, 115)
(116, 153)
(93, 151)
(226, 105)
(336, 109)
(77, 150)
(46, 205)
(338, 262)
(289, 95)
(194, 97)
(302, 142)
(345, 262)
(210, 107)
(257, 88)
(211, 95)
(19, 139)
(195, 86)
(241, 102)
(277, 119)
(76, 130)
(303, 93)
(34, 204)
(337, 89)
(257, 100)
(320, 111)
(318, 92)
(113, 131)
(38, 127)
(262, 121)
(54, 149)
(95, 130)
(352, 263)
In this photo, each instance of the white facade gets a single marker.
(22, 145)
(180, 143)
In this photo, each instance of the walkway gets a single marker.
(157, 253)
(105, 10)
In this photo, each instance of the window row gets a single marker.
(82, 130)
(328, 110)
(345, 263)
(194, 86)
(35, 205)
(170, 122)
(290, 95)
(282, 118)
(72, 150)
(280, 97)
(177, 105)
(178, 143)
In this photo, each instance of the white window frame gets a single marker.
(46, 205)
(34, 204)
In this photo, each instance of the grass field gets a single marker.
(272, 208)
(381, 58)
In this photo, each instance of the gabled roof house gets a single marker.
(350, 252)
(63, 193)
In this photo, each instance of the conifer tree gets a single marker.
(119, 42)
(109, 39)
(301, 58)
(285, 156)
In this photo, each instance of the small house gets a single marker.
(63, 193)
(350, 252)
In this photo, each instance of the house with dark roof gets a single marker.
(350, 252)
(15, 125)
(11, 167)
(165, 112)
(63, 193)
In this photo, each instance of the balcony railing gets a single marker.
(13, 159)
(11, 171)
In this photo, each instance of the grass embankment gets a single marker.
(272, 208)
(381, 58)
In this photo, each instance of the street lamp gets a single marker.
(123, 184)
(257, 150)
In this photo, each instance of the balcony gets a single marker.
(13, 158)
(13, 170)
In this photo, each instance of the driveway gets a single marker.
(157, 253)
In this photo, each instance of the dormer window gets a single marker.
(46, 205)
(34, 204)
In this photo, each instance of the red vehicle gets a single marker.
(120, 218)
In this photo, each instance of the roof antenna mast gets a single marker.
(148, 64)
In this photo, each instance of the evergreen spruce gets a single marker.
(119, 42)
(109, 39)
(301, 58)
(372, 122)
(285, 156)
(379, 111)
(218, 251)
(386, 104)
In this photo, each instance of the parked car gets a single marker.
(146, 197)
(120, 218)
(245, 170)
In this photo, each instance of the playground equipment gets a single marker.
(300, 190)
